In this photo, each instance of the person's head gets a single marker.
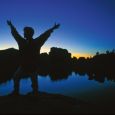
(28, 32)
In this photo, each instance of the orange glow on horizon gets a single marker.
(47, 49)
(5, 46)
(77, 55)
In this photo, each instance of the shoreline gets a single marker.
(42, 103)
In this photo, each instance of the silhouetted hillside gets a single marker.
(59, 64)
(8, 53)
(8, 63)
(99, 67)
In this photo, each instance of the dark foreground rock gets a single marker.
(43, 103)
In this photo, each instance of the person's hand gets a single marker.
(9, 22)
(56, 26)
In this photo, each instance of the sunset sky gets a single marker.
(87, 26)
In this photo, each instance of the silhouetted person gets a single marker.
(29, 50)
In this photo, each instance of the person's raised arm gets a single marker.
(43, 37)
(14, 32)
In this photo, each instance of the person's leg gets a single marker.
(34, 79)
(16, 86)
(16, 77)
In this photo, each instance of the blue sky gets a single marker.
(87, 26)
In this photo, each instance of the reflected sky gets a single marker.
(6, 88)
(75, 86)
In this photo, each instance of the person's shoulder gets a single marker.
(22, 40)
(34, 40)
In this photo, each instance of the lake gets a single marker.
(75, 85)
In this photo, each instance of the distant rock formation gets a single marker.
(59, 64)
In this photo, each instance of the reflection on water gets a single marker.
(6, 88)
(79, 87)
(75, 86)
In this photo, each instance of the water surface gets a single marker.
(77, 86)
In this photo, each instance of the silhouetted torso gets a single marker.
(29, 48)
(29, 53)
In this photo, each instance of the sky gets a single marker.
(87, 26)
